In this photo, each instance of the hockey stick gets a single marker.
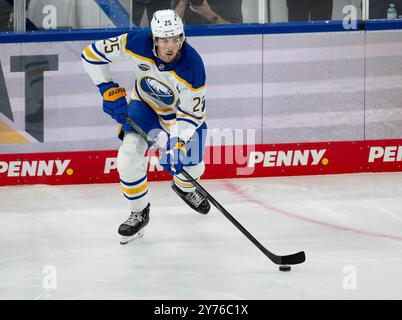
(295, 258)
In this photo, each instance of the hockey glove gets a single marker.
(174, 158)
(114, 100)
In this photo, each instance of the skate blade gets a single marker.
(125, 239)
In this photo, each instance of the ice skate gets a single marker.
(194, 199)
(132, 228)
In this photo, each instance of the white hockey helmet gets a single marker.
(166, 23)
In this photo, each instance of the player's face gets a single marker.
(168, 48)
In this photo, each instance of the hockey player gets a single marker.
(169, 95)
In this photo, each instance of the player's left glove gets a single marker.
(174, 158)
(114, 100)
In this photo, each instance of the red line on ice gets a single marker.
(232, 187)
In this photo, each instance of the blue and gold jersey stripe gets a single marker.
(89, 56)
(184, 183)
(134, 54)
(100, 54)
(185, 82)
(136, 189)
(92, 62)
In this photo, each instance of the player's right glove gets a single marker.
(114, 100)
(174, 158)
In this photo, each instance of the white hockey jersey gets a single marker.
(175, 91)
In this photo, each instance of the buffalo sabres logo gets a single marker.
(157, 90)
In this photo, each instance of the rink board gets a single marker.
(221, 162)
(337, 91)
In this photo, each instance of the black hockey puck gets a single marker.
(284, 268)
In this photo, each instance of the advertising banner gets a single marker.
(221, 162)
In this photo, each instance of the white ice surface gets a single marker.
(61, 242)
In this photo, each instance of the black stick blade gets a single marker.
(295, 258)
